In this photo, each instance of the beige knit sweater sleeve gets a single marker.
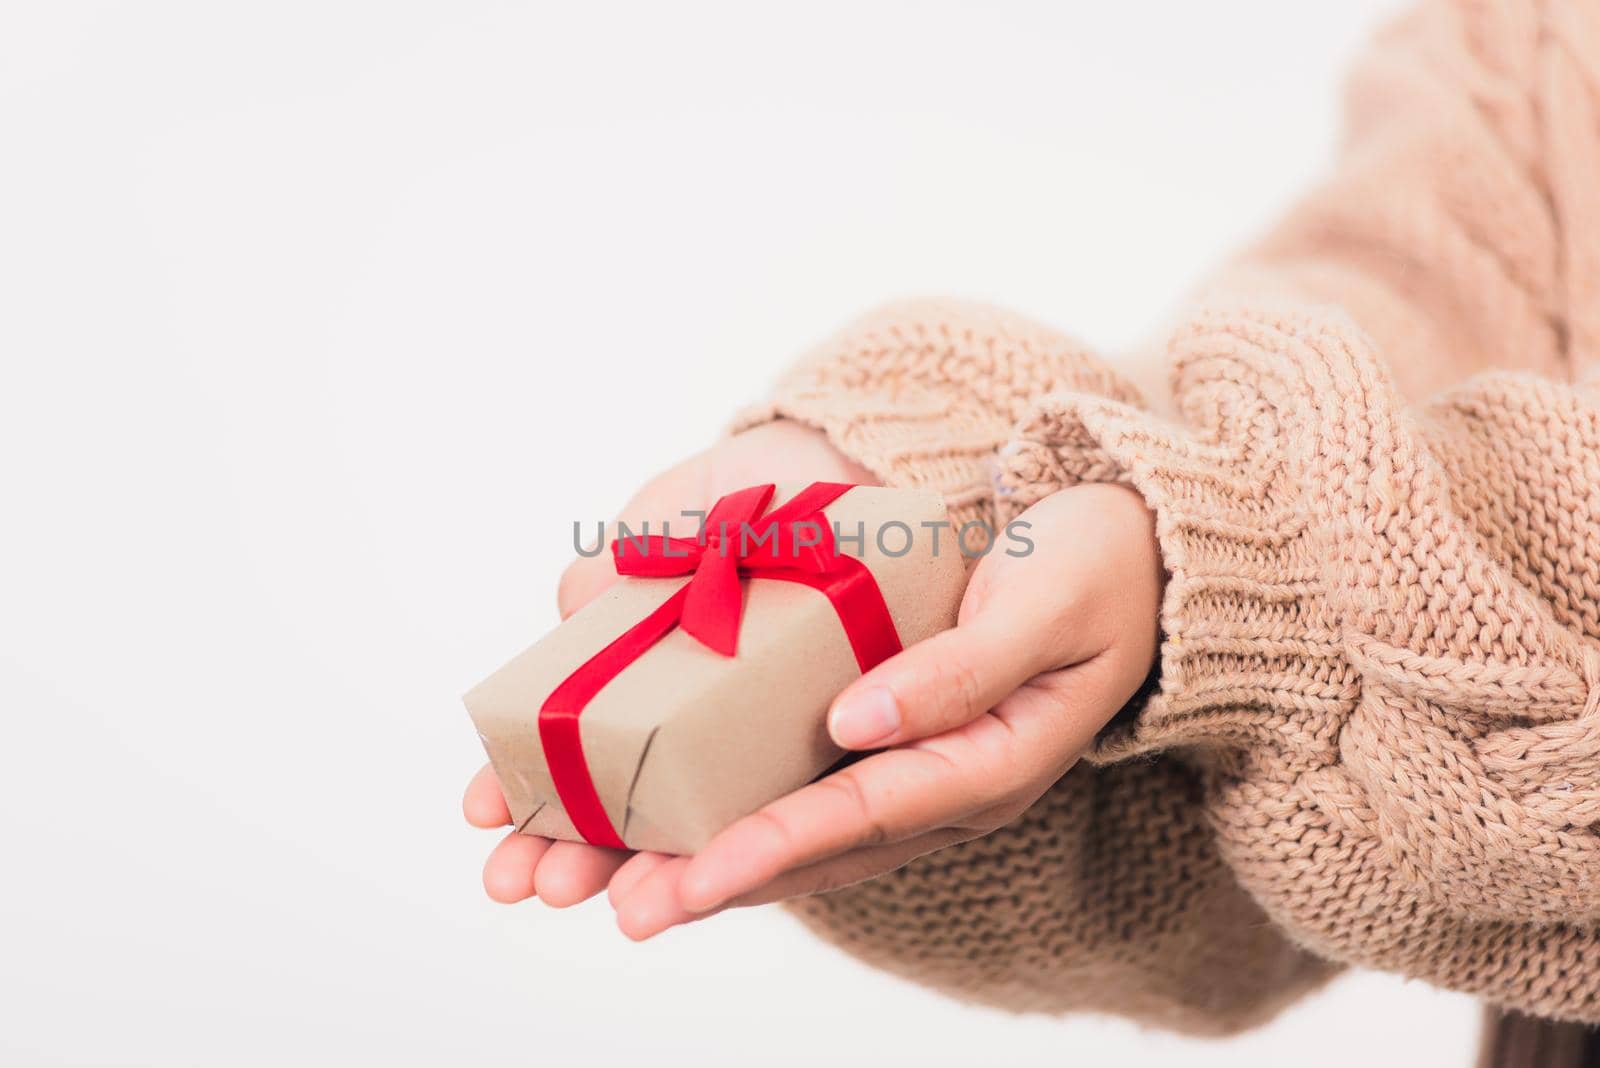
(1376, 738)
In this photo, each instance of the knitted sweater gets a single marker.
(1376, 738)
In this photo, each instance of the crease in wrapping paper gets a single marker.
(532, 814)
(633, 783)
(685, 740)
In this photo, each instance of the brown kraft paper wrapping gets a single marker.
(685, 740)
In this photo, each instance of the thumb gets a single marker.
(934, 686)
(585, 578)
(1095, 569)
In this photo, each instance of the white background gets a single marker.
(320, 324)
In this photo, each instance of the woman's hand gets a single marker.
(565, 873)
(975, 723)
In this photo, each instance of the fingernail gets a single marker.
(864, 719)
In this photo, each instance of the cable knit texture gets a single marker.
(1376, 738)
(923, 393)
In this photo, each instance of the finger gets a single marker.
(655, 904)
(958, 778)
(847, 869)
(651, 906)
(508, 873)
(884, 798)
(656, 508)
(571, 872)
(484, 804)
(632, 871)
(585, 578)
(936, 685)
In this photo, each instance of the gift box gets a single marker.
(696, 689)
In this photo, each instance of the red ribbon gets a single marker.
(792, 544)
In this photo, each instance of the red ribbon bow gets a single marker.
(793, 544)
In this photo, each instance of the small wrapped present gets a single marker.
(696, 689)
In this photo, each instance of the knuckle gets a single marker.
(873, 829)
(959, 689)
(775, 827)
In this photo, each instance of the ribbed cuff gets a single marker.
(1247, 653)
